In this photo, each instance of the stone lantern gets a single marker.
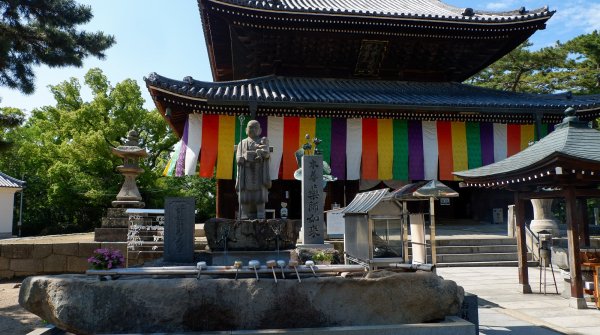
(129, 195)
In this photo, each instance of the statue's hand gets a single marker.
(241, 160)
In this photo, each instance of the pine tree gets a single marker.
(34, 32)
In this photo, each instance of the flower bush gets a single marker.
(104, 259)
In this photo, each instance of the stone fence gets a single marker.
(27, 259)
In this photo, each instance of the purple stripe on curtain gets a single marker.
(416, 159)
(486, 131)
(180, 167)
(338, 148)
(551, 127)
(263, 121)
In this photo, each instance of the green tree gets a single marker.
(44, 32)
(64, 151)
(522, 70)
(585, 51)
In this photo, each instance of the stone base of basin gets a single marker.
(252, 235)
(84, 305)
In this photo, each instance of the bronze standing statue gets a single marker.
(253, 180)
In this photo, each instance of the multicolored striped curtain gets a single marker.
(369, 149)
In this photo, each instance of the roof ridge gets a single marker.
(419, 9)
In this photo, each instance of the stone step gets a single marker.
(473, 242)
(479, 257)
(482, 264)
(459, 249)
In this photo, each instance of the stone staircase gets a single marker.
(492, 251)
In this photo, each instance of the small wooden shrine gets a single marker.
(565, 164)
(378, 82)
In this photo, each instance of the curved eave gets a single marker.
(272, 91)
(479, 17)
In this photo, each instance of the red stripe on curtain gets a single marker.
(291, 133)
(445, 160)
(513, 139)
(210, 145)
(369, 150)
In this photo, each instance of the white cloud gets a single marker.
(501, 5)
(577, 15)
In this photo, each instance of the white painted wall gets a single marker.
(7, 202)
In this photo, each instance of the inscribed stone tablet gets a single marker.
(312, 200)
(179, 230)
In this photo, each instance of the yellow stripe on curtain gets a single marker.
(459, 147)
(226, 143)
(308, 125)
(385, 148)
(527, 135)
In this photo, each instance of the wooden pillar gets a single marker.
(577, 300)
(521, 244)
(584, 231)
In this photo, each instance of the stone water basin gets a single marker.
(84, 305)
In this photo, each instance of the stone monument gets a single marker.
(179, 230)
(114, 224)
(253, 180)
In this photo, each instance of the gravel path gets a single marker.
(13, 318)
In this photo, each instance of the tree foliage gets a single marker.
(44, 32)
(572, 66)
(64, 152)
(10, 118)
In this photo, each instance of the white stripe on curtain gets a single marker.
(500, 146)
(430, 149)
(353, 148)
(275, 128)
(194, 144)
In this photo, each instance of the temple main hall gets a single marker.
(379, 82)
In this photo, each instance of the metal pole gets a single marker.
(21, 208)
(432, 228)
(405, 231)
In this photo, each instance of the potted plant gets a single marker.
(322, 257)
(106, 259)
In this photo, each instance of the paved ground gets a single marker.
(503, 310)
(14, 320)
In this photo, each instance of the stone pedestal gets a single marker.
(114, 226)
(543, 218)
(251, 235)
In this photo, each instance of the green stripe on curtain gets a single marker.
(473, 144)
(238, 138)
(543, 131)
(400, 169)
(323, 133)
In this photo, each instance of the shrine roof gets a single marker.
(7, 181)
(571, 140)
(354, 93)
(419, 9)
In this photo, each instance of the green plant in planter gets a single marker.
(322, 257)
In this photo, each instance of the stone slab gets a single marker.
(65, 248)
(42, 250)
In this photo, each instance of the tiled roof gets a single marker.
(365, 201)
(569, 139)
(281, 91)
(420, 9)
(8, 181)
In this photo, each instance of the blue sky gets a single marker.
(166, 37)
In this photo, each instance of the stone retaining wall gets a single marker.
(21, 259)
